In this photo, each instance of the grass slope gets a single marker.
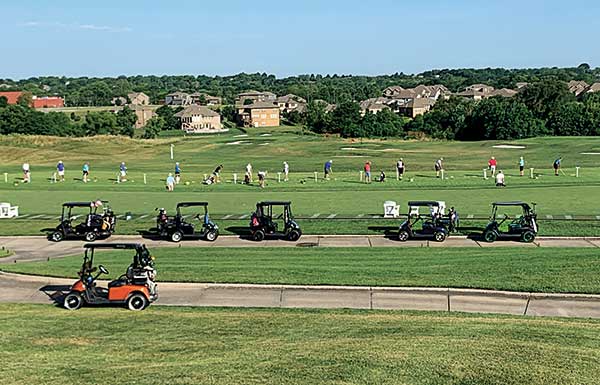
(47, 345)
(539, 270)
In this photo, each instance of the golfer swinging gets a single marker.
(556, 165)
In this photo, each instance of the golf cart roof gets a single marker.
(425, 203)
(514, 203)
(124, 246)
(191, 204)
(81, 204)
(274, 203)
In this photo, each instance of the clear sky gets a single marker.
(223, 37)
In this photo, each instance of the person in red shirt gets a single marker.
(368, 172)
(492, 165)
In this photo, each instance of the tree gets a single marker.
(153, 128)
(545, 98)
(171, 122)
(126, 119)
(25, 99)
(583, 67)
(100, 123)
(3, 101)
(345, 118)
(574, 119)
(317, 119)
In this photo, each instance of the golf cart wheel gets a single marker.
(73, 301)
(258, 235)
(90, 237)
(57, 236)
(403, 235)
(176, 236)
(490, 236)
(294, 235)
(137, 302)
(439, 236)
(528, 236)
(212, 236)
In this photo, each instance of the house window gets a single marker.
(273, 116)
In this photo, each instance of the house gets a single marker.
(138, 99)
(504, 92)
(328, 107)
(255, 96)
(404, 95)
(258, 114)
(593, 88)
(392, 91)
(291, 102)
(143, 113)
(415, 107)
(197, 119)
(483, 88)
(12, 97)
(204, 99)
(47, 102)
(374, 105)
(178, 99)
(577, 87)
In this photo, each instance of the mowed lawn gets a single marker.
(48, 345)
(571, 270)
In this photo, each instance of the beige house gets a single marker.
(178, 99)
(290, 102)
(205, 99)
(143, 113)
(138, 99)
(255, 96)
(200, 120)
(415, 107)
(374, 105)
(593, 88)
(258, 114)
(504, 92)
(577, 87)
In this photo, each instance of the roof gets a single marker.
(420, 103)
(593, 88)
(196, 110)
(505, 92)
(258, 105)
(273, 203)
(191, 204)
(133, 95)
(513, 203)
(11, 96)
(290, 97)
(114, 245)
(253, 92)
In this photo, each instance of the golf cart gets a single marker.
(135, 289)
(435, 224)
(99, 222)
(523, 227)
(262, 222)
(176, 228)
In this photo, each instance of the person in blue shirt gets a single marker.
(123, 172)
(177, 173)
(86, 172)
(170, 182)
(327, 168)
(60, 168)
(556, 165)
(521, 166)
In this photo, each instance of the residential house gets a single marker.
(392, 91)
(139, 99)
(415, 107)
(12, 97)
(328, 107)
(476, 92)
(143, 112)
(258, 114)
(291, 102)
(504, 92)
(374, 105)
(178, 99)
(204, 99)
(577, 87)
(483, 88)
(47, 102)
(593, 88)
(197, 119)
(255, 96)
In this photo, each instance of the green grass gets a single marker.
(4, 252)
(47, 345)
(575, 270)
(343, 195)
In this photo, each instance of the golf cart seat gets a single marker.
(121, 281)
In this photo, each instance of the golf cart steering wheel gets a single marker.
(102, 269)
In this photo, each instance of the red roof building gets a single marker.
(12, 96)
(47, 102)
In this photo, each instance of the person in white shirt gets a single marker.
(26, 173)
(500, 179)
(249, 172)
(286, 171)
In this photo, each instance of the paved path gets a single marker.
(32, 289)
(36, 248)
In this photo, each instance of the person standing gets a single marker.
(368, 172)
(60, 169)
(123, 172)
(439, 167)
(492, 165)
(177, 173)
(217, 173)
(261, 179)
(249, 172)
(26, 173)
(327, 169)
(521, 166)
(85, 170)
(286, 171)
(556, 165)
(170, 182)
(400, 167)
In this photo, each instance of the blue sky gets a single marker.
(222, 37)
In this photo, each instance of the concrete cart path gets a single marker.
(36, 248)
(17, 288)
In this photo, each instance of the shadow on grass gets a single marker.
(387, 231)
(242, 232)
(56, 293)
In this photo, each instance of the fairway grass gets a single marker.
(48, 345)
(557, 270)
